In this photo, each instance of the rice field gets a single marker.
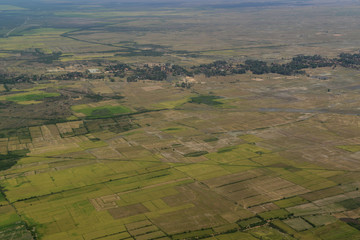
(231, 157)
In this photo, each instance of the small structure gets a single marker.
(93, 70)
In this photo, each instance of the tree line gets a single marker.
(297, 65)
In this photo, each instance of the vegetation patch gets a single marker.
(195, 234)
(226, 149)
(10, 159)
(196, 154)
(171, 104)
(31, 97)
(103, 111)
(350, 148)
(350, 204)
(278, 213)
(298, 224)
(213, 139)
(2, 198)
(45, 31)
(320, 220)
(172, 129)
(283, 165)
(251, 222)
(337, 230)
(352, 222)
(290, 202)
(250, 138)
(206, 99)
(17, 230)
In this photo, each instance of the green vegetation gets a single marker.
(195, 154)
(278, 213)
(172, 121)
(31, 96)
(171, 104)
(298, 224)
(252, 222)
(213, 139)
(226, 149)
(172, 129)
(289, 202)
(10, 159)
(337, 230)
(196, 234)
(350, 204)
(102, 111)
(350, 148)
(320, 220)
(206, 99)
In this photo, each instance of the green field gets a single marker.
(103, 111)
(29, 97)
(351, 148)
(208, 100)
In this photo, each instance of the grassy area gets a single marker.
(278, 213)
(289, 202)
(320, 220)
(171, 104)
(252, 222)
(9, 216)
(350, 204)
(298, 224)
(350, 148)
(198, 234)
(337, 230)
(102, 111)
(206, 99)
(195, 154)
(32, 97)
(250, 138)
(35, 96)
(172, 129)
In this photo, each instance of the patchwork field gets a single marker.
(116, 124)
(193, 171)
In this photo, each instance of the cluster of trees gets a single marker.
(217, 68)
(295, 66)
(119, 70)
(70, 76)
(157, 73)
(183, 84)
(145, 72)
(76, 75)
(49, 58)
(10, 159)
(41, 56)
(349, 60)
(6, 78)
(177, 70)
(221, 68)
